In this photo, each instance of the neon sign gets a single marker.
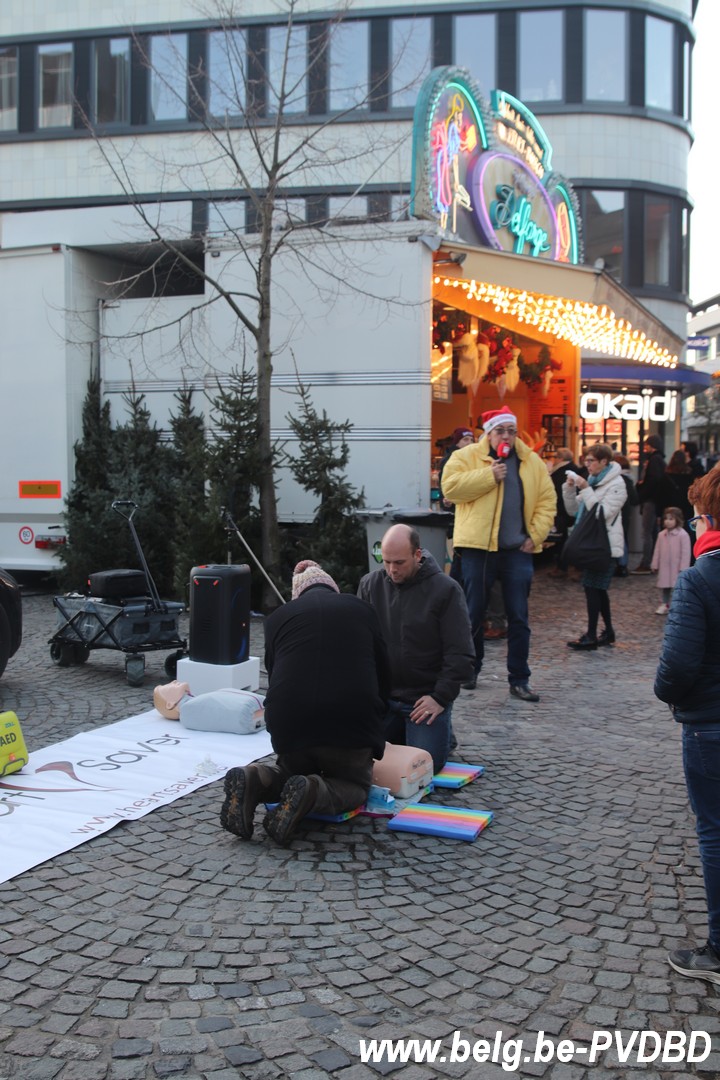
(484, 171)
(629, 406)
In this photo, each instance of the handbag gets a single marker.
(588, 545)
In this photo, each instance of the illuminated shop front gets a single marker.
(515, 311)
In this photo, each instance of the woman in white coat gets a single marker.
(604, 486)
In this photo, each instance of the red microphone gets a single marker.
(504, 449)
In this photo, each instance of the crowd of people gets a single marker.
(348, 674)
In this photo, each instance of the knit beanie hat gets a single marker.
(491, 419)
(461, 433)
(308, 573)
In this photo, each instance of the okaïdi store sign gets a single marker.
(660, 407)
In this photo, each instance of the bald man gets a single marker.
(424, 620)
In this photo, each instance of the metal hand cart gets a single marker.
(134, 625)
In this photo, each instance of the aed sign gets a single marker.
(658, 407)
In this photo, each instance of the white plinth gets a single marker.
(206, 677)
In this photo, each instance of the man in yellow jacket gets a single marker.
(504, 508)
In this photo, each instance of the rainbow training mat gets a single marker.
(454, 775)
(324, 817)
(449, 821)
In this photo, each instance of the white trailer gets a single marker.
(44, 378)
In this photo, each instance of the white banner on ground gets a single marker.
(74, 790)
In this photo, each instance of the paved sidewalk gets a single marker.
(167, 947)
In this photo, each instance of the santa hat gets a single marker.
(461, 433)
(308, 573)
(491, 419)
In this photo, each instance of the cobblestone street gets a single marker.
(167, 947)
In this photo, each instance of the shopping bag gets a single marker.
(588, 547)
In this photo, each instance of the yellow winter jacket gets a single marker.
(468, 482)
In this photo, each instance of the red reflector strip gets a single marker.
(39, 489)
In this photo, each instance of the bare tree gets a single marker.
(251, 140)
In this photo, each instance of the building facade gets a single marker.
(124, 123)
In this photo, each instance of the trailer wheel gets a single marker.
(62, 654)
(171, 663)
(80, 653)
(135, 669)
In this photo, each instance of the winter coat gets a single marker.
(426, 627)
(688, 675)
(671, 555)
(469, 483)
(650, 485)
(611, 494)
(329, 673)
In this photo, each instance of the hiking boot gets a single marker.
(703, 963)
(470, 685)
(243, 792)
(584, 642)
(297, 799)
(523, 691)
(606, 637)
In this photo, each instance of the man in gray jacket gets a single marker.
(424, 620)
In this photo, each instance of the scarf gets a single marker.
(709, 541)
(593, 481)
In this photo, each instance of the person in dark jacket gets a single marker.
(425, 622)
(688, 679)
(650, 492)
(329, 682)
(692, 458)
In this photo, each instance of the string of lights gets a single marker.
(583, 324)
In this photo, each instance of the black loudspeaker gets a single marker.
(220, 614)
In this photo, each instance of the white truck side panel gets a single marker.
(49, 324)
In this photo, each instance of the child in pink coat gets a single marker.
(671, 555)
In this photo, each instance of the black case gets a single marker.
(117, 584)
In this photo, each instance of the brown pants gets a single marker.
(343, 776)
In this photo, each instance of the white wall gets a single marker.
(353, 316)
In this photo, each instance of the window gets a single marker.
(604, 230)
(349, 65)
(55, 71)
(287, 77)
(474, 48)
(8, 89)
(111, 81)
(659, 66)
(687, 80)
(289, 212)
(540, 64)
(227, 52)
(347, 208)
(410, 59)
(226, 218)
(168, 77)
(605, 55)
(400, 207)
(657, 240)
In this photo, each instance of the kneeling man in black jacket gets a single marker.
(329, 682)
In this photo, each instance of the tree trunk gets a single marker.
(270, 532)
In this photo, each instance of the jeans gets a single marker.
(435, 737)
(343, 776)
(649, 528)
(514, 570)
(701, 761)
